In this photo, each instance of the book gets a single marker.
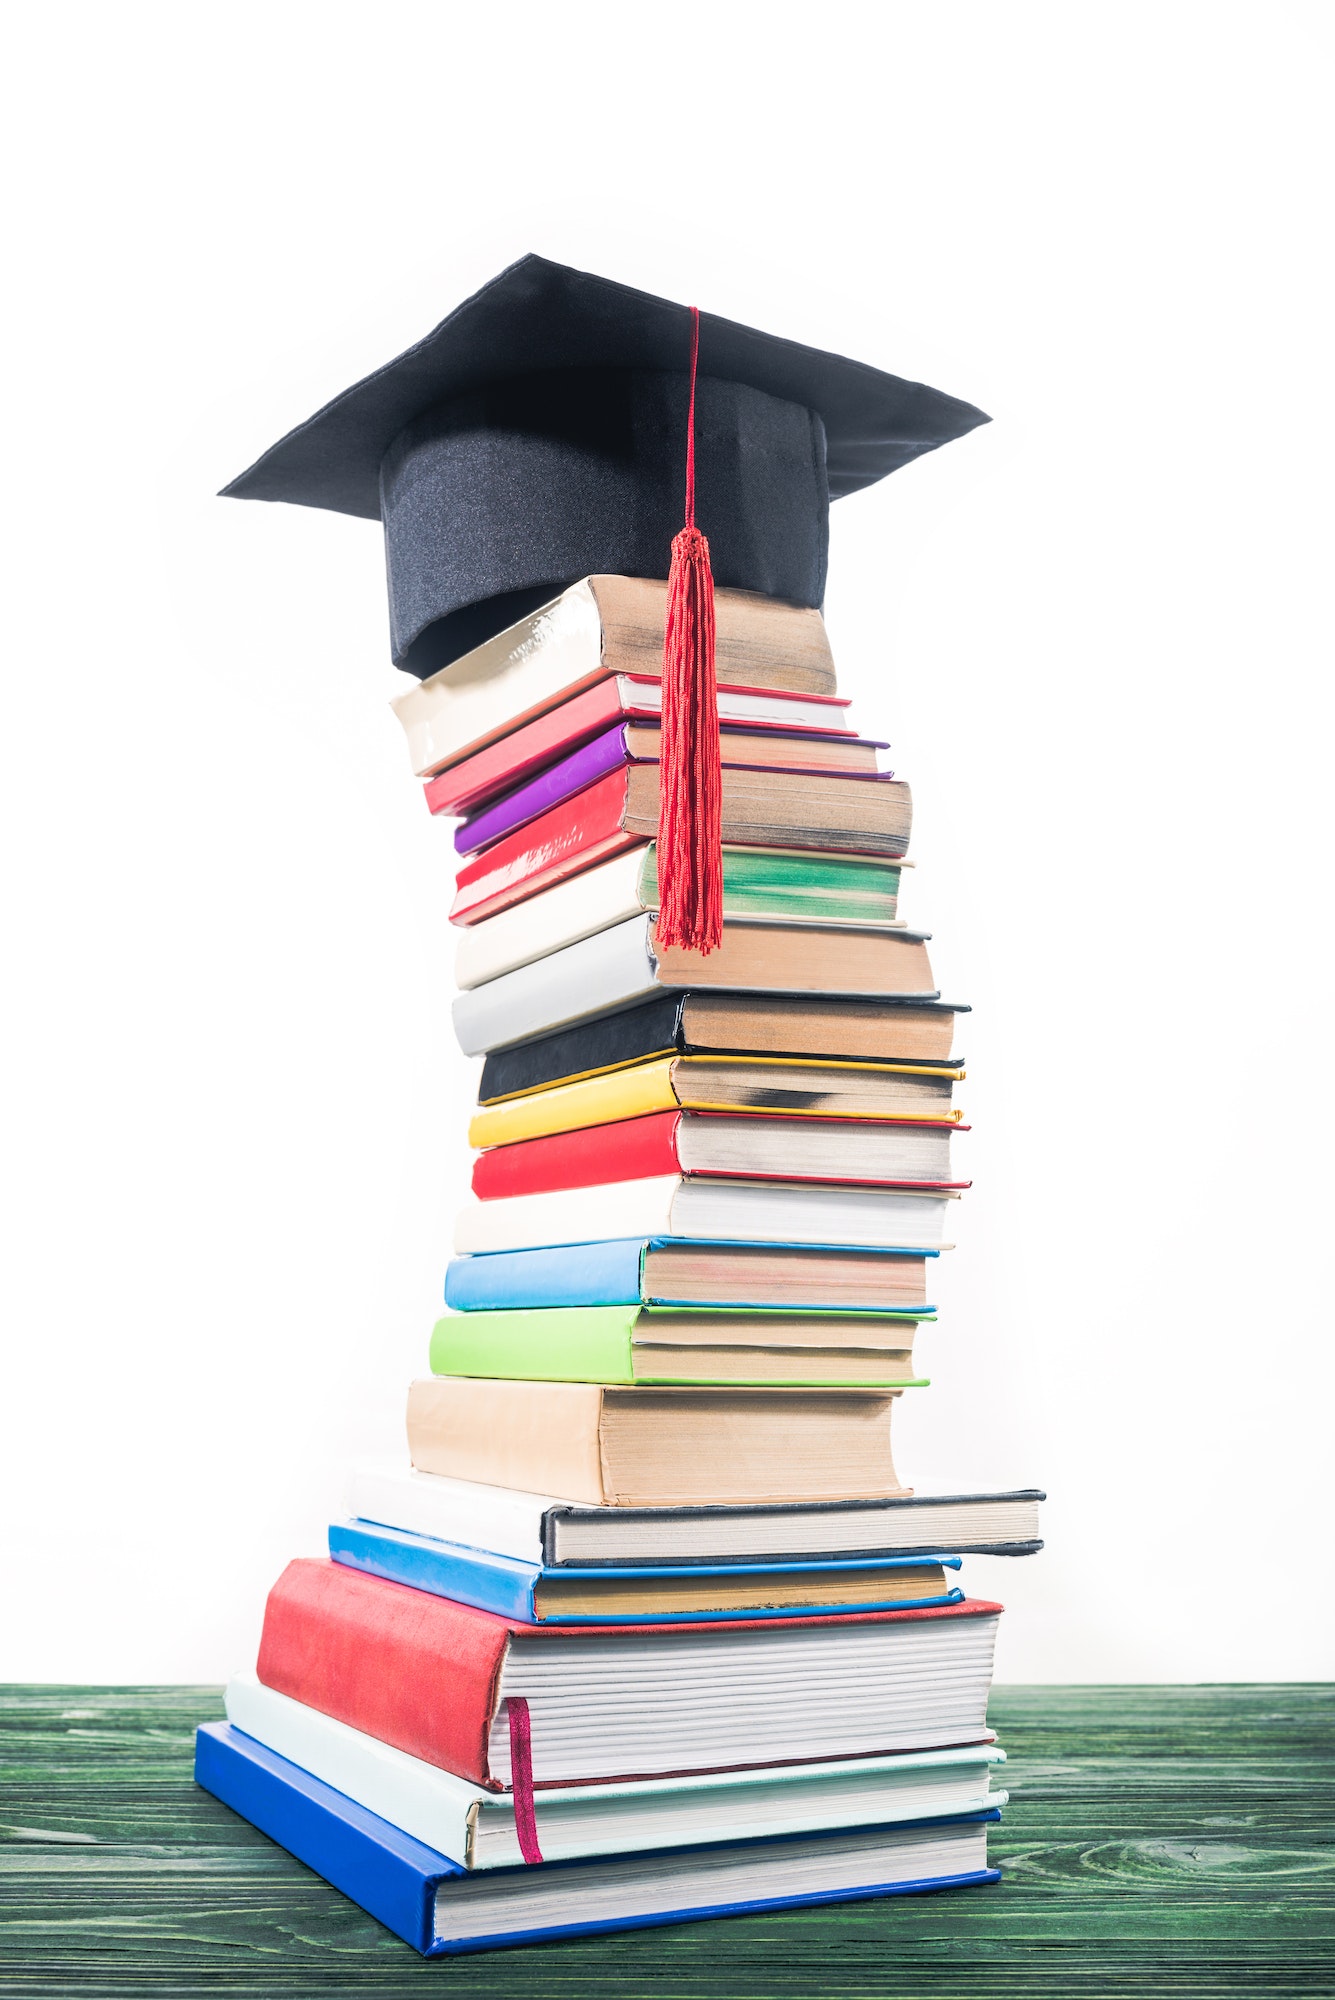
(600, 627)
(538, 1528)
(855, 1152)
(786, 759)
(812, 810)
(801, 1087)
(529, 1595)
(757, 882)
(433, 1677)
(441, 1909)
(641, 1447)
(651, 1271)
(475, 1827)
(666, 1345)
(694, 1208)
(617, 967)
(520, 754)
(738, 1024)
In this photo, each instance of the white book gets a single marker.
(614, 968)
(602, 625)
(707, 1210)
(476, 1827)
(556, 1534)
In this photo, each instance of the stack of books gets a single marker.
(648, 1627)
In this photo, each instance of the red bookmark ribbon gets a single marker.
(521, 1777)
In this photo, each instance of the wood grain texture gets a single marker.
(1168, 1841)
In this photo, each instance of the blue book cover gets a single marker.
(506, 1586)
(585, 1274)
(407, 1886)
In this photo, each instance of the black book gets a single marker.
(914, 1032)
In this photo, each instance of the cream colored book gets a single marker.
(603, 625)
(628, 1447)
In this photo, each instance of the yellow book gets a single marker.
(798, 1088)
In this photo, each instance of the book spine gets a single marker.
(592, 1048)
(539, 1437)
(586, 1274)
(551, 788)
(635, 1149)
(538, 1344)
(509, 1523)
(610, 970)
(363, 1650)
(530, 1222)
(591, 901)
(384, 1870)
(596, 1100)
(574, 835)
(489, 1583)
(425, 1803)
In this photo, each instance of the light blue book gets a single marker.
(625, 1272)
(694, 1595)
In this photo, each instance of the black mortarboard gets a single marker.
(536, 437)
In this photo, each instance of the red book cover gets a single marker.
(571, 837)
(631, 1149)
(421, 1672)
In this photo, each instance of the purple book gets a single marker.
(607, 752)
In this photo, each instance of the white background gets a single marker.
(1097, 632)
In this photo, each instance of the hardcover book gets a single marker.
(433, 1678)
(723, 1023)
(649, 1271)
(699, 1208)
(602, 626)
(540, 1529)
(673, 1346)
(797, 1088)
(696, 1595)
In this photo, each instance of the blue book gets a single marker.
(532, 1595)
(616, 1273)
(441, 1908)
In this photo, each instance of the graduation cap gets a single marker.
(548, 430)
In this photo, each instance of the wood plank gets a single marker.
(1174, 1841)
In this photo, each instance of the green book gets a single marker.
(788, 882)
(639, 1344)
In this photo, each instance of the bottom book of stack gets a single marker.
(476, 1777)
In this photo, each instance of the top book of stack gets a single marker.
(603, 626)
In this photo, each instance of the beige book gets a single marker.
(603, 625)
(655, 1447)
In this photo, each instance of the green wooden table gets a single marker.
(1162, 1840)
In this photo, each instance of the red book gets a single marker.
(622, 698)
(767, 1146)
(429, 1676)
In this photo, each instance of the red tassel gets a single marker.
(690, 822)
